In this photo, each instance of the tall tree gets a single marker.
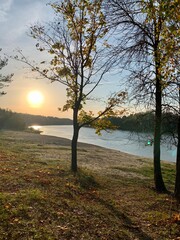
(177, 183)
(173, 52)
(4, 80)
(76, 41)
(142, 27)
(172, 103)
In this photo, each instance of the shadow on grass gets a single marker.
(87, 181)
(127, 222)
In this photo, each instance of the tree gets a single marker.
(76, 41)
(174, 51)
(4, 80)
(177, 182)
(143, 46)
(171, 46)
(11, 120)
(173, 104)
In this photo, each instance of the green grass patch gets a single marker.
(168, 173)
(86, 180)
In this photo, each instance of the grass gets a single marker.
(41, 199)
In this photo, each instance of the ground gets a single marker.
(112, 197)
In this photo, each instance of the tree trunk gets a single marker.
(74, 142)
(158, 180)
(177, 183)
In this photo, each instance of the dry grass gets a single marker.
(112, 196)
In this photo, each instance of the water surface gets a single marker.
(119, 140)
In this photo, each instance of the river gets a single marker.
(119, 140)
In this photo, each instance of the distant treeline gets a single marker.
(11, 120)
(19, 121)
(42, 120)
(144, 122)
(139, 122)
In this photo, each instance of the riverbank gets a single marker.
(124, 141)
(90, 156)
(112, 197)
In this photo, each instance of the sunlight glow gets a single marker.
(35, 99)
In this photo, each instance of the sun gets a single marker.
(35, 98)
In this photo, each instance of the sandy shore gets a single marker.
(90, 156)
(44, 139)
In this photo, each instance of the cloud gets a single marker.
(18, 15)
(4, 8)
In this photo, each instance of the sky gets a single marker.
(16, 17)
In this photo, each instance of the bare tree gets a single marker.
(77, 44)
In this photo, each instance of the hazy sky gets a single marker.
(16, 16)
